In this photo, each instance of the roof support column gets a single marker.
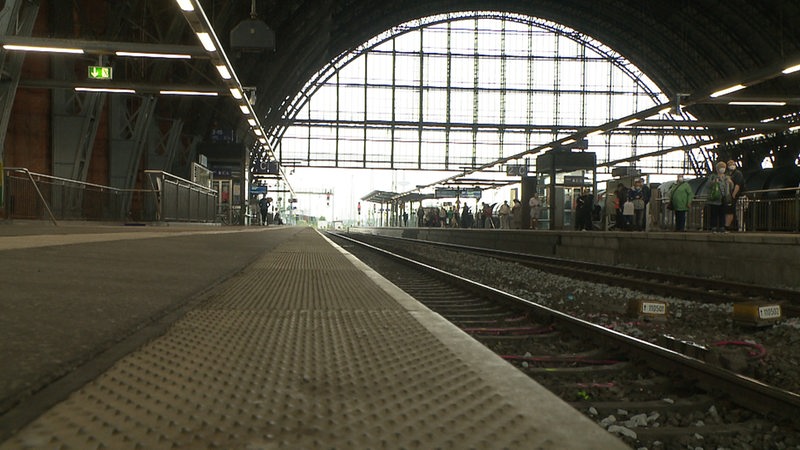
(16, 19)
(130, 119)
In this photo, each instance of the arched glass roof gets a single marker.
(457, 91)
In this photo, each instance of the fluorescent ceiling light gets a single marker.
(111, 90)
(569, 141)
(263, 141)
(185, 5)
(34, 48)
(224, 72)
(252, 122)
(752, 136)
(758, 103)
(200, 93)
(595, 133)
(795, 128)
(792, 69)
(236, 93)
(257, 132)
(154, 55)
(245, 109)
(205, 39)
(728, 90)
(629, 122)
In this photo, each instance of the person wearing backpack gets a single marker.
(719, 191)
(680, 199)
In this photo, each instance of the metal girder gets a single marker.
(130, 120)
(16, 19)
(75, 120)
(162, 148)
(108, 47)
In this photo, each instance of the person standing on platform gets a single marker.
(420, 216)
(583, 210)
(718, 195)
(536, 209)
(636, 196)
(737, 177)
(263, 207)
(620, 197)
(516, 215)
(680, 199)
(504, 212)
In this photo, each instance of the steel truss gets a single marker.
(396, 128)
(17, 18)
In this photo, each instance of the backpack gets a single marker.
(714, 193)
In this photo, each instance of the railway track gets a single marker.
(706, 290)
(650, 396)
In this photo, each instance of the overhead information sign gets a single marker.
(100, 73)
(457, 193)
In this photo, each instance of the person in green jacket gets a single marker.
(680, 197)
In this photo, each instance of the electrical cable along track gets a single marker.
(650, 396)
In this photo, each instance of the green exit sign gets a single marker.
(100, 73)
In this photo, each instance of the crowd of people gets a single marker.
(723, 189)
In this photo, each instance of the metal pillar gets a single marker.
(75, 120)
(162, 148)
(16, 19)
(130, 118)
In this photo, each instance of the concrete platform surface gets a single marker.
(303, 348)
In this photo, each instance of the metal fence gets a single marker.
(771, 210)
(35, 196)
(182, 200)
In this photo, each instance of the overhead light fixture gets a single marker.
(197, 93)
(205, 39)
(728, 90)
(791, 69)
(245, 109)
(252, 122)
(154, 55)
(186, 5)
(569, 141)
(795, 128)
(263, 141)
(742, 103)
(35, 48)
(752, 136)
(236, 93)
(257, 132)
(109, 90)
(629, 122)
(223, 71)
(595, 133)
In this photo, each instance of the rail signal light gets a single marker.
(328, 199)
(359, 208)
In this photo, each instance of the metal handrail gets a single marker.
(38, 191)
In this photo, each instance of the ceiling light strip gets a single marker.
(36, 48)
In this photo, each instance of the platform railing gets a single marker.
(771, 210)
(36, 196)
(181, 200)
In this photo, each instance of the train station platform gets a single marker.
(768, 259)
(251, 338)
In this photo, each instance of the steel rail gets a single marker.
(747, 392)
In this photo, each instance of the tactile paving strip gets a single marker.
(301, 351)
